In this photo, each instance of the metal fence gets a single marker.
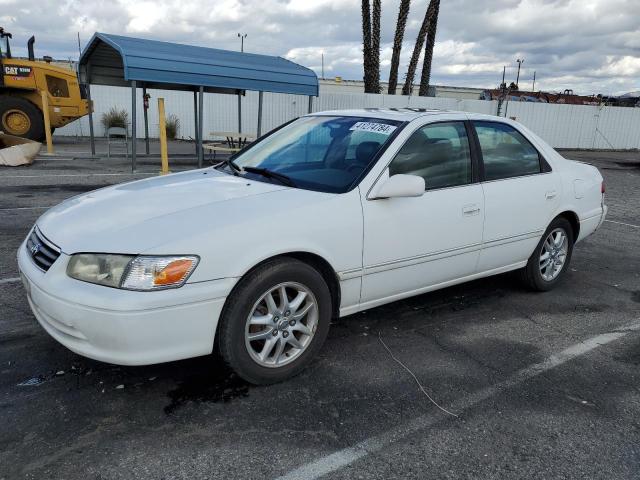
(563, 126)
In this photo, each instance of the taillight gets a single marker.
(602, 189)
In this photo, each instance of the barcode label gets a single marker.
(382, 128)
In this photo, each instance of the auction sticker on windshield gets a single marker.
(382, 128)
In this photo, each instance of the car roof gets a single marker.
(400, 114)
(405, 114)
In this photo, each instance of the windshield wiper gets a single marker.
(228, 162)
(281, 177)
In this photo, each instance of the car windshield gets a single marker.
(323, 153)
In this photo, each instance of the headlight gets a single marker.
(97, 268)
(132, 273)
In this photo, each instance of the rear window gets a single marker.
(506, 153)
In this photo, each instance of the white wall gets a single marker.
(563, 126)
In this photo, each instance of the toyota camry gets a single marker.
(328, 215)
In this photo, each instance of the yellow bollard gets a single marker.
(47, 122)
(163, 138)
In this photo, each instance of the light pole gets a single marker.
(520, 62)
(242, 36)
(533, 88)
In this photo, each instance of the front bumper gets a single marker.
(119, 326)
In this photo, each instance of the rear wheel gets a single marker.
(548, 263)
(275, 321)
(20, 117)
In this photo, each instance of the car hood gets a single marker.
(113, 219)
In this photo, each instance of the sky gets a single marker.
(590, 46)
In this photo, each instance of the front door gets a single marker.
(412, 244)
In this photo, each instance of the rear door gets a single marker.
(521, 193)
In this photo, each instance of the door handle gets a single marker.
(470, 210)
(551, 195)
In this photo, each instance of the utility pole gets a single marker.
(533, 88)
(520, 62)
(242, 36)
(322, 54)
(503, 91)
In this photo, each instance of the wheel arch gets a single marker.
(572, 218)
(319, 263)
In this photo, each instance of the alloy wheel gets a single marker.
(281, 324)
(553, 254)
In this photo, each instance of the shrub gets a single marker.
(115, 118)
(173, 126)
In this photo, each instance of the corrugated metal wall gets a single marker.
(563, 126)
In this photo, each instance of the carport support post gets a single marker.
(133, 126)
(310, 104)
(92, 137)
(200, 119)
(259, 130)
(146, 120)
(239, 112)
(195, 118)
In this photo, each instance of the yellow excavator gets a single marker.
(22, 82)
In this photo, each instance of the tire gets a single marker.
(249, 303)
(20, 117)
(532, 275)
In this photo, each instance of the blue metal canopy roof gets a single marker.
(117, 60)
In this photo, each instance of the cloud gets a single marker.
(590, 46)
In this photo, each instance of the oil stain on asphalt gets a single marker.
(211, 385)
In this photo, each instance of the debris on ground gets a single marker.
(33, 381)
(15, 151)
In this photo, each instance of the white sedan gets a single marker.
(328, 215)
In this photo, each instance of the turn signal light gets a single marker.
(173, 273)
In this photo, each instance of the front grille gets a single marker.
(42, 251)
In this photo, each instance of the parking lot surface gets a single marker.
(541, 385)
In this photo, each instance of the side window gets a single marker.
(505, 151)
(57, 86)
(439, 153)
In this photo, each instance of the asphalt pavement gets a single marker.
(534, 385)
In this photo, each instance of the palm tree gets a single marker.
(366, 44)
(432, 13)
(413, 63)
(403, 13)
(375, 46)
(371, 46)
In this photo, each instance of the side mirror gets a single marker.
(401, 185)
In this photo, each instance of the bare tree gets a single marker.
(375, 46)
(432, 14)
(401, 25)
(413, 63)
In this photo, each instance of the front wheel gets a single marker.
(275, 321)
(20, 117)
(549, 261)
